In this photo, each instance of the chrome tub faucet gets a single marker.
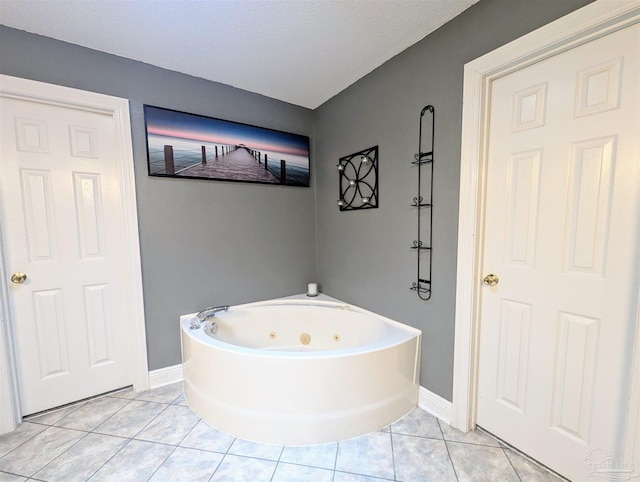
(205, 315)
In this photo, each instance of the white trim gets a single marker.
(632, 437)
(118, 109)
(435, 405)
(134, 263)
(9, 400)
(590, 22)
(165, 376)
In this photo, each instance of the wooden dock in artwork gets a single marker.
(236, 163)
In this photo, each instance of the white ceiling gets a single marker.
(299, 51)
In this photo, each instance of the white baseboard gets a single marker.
(435, 405)
(165, 376)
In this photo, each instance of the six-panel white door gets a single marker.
(63, 227)
(562, 234)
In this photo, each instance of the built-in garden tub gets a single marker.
(299, 371)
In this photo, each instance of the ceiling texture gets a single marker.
(299, 51)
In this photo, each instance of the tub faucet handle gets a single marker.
(205, 314)
(211, 312)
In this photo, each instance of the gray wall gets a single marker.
(207, 242)
(364, 256)
(202, 242)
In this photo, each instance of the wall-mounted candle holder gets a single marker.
(358, 180)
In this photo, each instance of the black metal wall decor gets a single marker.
(423, 203)
(358, 180)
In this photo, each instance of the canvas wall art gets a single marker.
(182, 145)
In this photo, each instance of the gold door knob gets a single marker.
(18, 278)
(491, 280)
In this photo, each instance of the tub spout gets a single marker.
(206, 314)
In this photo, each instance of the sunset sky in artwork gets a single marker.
(163, 122)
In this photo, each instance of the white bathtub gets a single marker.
(300, 371)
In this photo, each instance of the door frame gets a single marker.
(588, 23)
(118, 109)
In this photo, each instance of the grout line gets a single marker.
(224, 456)
(261, 458)
(217, 467)
(95, 430)
(273, 474)
(206, 450)
(129, 440)
(511, 463)
(277, 462)
(541, 466)
(163, 462)
(472, 443)
(375, 477)
(111, 416)
(22, 443)
(298, 464)
(189, 431)
(335, 462)
(110, 458)
(531, 460)
(393, 457)
(63, 452)
(18, 476)
(423, 437)
(149, 423)
(446, 446)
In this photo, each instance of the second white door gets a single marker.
(562, 235)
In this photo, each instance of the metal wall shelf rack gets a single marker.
(423, 203)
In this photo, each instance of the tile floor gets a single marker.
(154, 435)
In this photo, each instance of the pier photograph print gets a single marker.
(182, 145)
